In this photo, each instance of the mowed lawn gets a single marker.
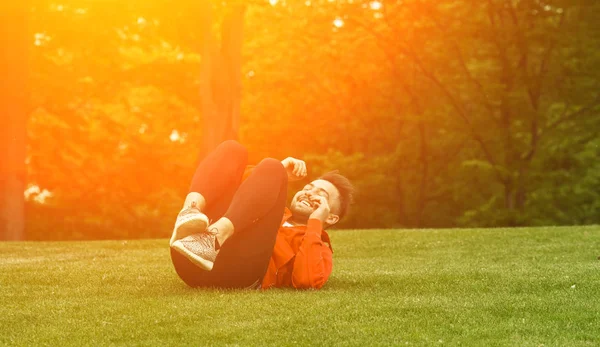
(465, 287)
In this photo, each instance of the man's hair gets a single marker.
(344, 186)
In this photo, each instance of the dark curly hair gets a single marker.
(344, 186)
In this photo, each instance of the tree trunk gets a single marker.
(521, 193)
(424, 158)
(220, 78)
(14, 36)
(509, 193)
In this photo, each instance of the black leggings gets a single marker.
(255, 207)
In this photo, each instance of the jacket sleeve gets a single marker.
(313, 262)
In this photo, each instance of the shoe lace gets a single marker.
(214, 231)
(199, 243)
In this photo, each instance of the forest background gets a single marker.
(445, 113)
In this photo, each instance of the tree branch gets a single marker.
(461, 59)
(572, 115)
(536, 93)
(453, 101)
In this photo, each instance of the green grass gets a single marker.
(467, 287)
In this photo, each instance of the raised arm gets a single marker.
(313, 263)
(295, 168)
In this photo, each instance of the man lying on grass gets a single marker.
(255, 241)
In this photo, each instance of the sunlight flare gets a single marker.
(375, 5)
(338, 22)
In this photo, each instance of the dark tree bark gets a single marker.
(220, 77)
(424, 159)
(15, 39)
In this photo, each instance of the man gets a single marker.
(234, 230)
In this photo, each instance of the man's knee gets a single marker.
(272, 165)
(234, 150)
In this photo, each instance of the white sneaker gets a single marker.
(199, 249)
(189, 221)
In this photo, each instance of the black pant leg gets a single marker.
(218, 176)
(257, 208)
(245, 256)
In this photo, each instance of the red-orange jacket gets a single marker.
(302, 256)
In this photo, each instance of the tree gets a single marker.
(220, 77)
(14, 37)
(502, 69)
(405, 98)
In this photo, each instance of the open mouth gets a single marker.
(306, 203)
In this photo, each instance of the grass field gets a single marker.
(467, 287)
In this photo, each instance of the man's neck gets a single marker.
(304, 222)
(297, 221)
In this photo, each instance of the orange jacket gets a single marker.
(302, 256)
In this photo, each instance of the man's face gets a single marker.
(303, 203)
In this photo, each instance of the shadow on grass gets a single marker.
(178, 287)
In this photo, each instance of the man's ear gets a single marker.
(332, 219)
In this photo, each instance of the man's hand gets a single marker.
(322, 211)
(295, 168)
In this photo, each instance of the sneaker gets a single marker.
(199, 249)
(189, 221)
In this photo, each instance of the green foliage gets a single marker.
(443, 113)
(370, 177)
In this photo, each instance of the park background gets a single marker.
(443, 113)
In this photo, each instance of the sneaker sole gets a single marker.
(199, 261)
(188, 225)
